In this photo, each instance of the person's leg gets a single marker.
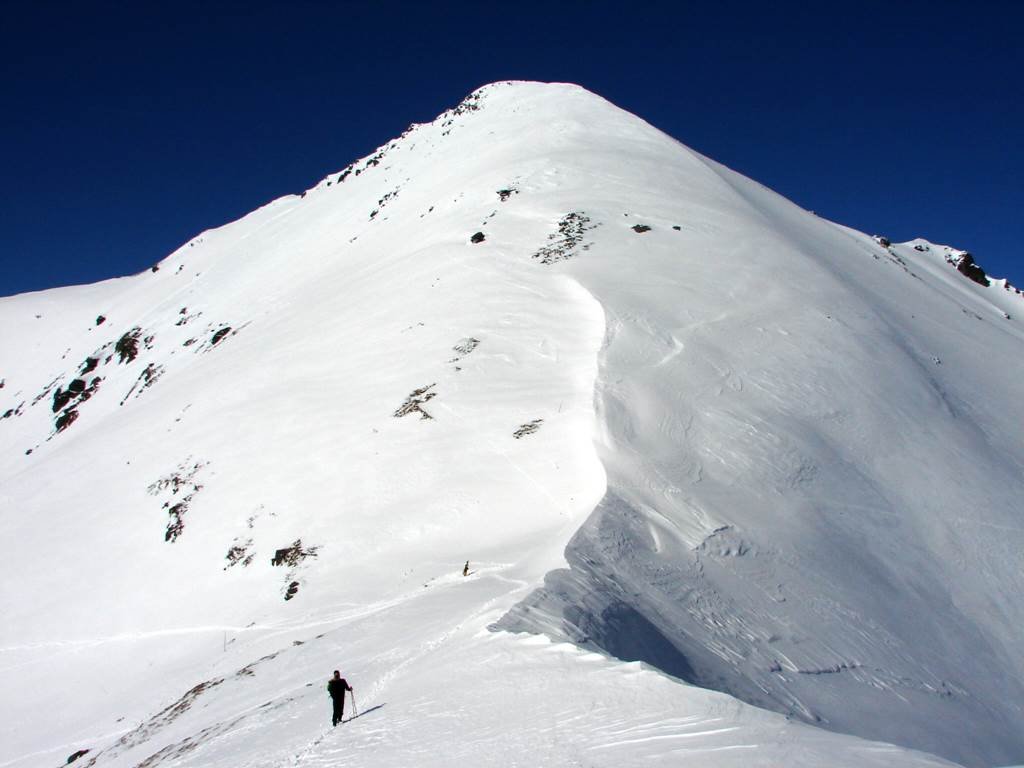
(339, 709)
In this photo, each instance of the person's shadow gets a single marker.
(364, 712)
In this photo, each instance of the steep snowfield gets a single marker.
(805, 490)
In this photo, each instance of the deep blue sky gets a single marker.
(126, 130)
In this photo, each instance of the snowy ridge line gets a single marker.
(687, 436)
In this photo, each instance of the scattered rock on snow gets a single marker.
(464, 347)
(239, 553)
(181, 480)
(478, 237)
(414, 402)
(146, 379)
(293, 554)
(185, 317)
(127, 347)
(566, 240)
(527, 429)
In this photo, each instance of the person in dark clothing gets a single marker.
(336, 688)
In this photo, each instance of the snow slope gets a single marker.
(805, 489)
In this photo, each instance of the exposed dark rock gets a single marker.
(239, 553)
(638, 228)
(8, 413)
(181, 478)
(176, 525)
(965, 265)
(147, 729)
(220, 334)
(100, 319)
(464, 347)
(293, 555)
(469, 104)
(75, 755)
(414, 402)
(921, 248)
(155, 268)
(388, 198)
(677, 228)
(527, 429)
(882, 241)
(250, 668)
(90, 365)
(566, 240)
(149, 376)
(292, 590)
(61, 398)
(127, 347)
(477, 238)
(505, 194)
(69, 399)
(185, 317)
(66, 419)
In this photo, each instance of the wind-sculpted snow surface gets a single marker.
(814, 472)
(269, 457)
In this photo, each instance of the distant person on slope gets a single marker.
(336, 688)
(465, 569)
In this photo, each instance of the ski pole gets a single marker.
(355, 709)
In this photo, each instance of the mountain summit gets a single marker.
(688, 435)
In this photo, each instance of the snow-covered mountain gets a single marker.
(684, 431)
